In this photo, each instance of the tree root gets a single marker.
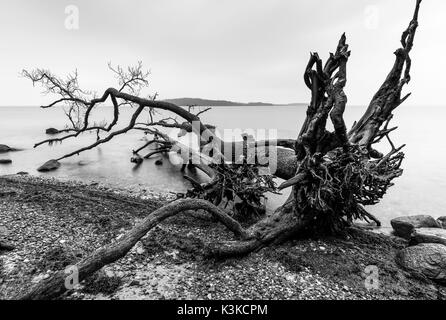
(368, 215)
(275, 229)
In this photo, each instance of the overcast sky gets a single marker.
(240, 50)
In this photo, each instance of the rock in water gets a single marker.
(49, 166)
(5, 161)
(429, 235)
(51, 131)
(136, 159)
(404, 226)
(427, 259)
(4, 148)
(442, 221)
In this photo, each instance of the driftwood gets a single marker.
(332, 174)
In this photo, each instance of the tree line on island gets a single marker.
(198, 102)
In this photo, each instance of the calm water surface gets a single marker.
(421, 189)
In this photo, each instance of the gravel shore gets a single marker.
(53, 224)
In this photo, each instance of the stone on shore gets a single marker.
(428, 235)
(5, 161)
(404, 226)
(442, 221)
(4, 246)
(428, 260)
(51, 131)
(49, 166)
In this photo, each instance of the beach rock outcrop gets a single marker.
(404, 226)
(428, 235)
(5, 161)
(49, 166)
(51, 131)
(442, 221)
(425, 260)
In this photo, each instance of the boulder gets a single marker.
(4, 148)
(136, 159)
(425, 260)
(404, 226)
(442, 221)
(51, 131)
(428, 235)
(5, 161)
(49, 166)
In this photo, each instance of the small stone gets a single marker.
(49, 166)
(3, 231)
(159, 162)
(134, 283)
(51, 131)
(4, 148)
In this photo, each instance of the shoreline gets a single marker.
(53, 223)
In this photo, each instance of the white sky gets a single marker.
(240, 50)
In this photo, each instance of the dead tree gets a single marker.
(333, 175)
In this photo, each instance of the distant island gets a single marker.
(219, 103)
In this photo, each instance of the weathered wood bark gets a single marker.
(317, 148)
(4, 246)
(388, 98)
